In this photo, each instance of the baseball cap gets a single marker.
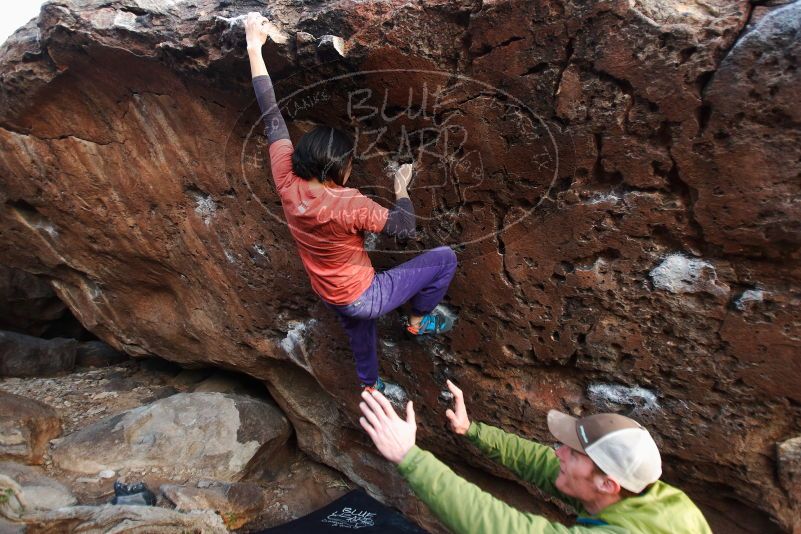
(618, 445)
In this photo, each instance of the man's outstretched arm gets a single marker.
(257, 29)
(466, 509)
(529, 460)
(463, 507)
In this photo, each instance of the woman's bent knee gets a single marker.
(447, 254)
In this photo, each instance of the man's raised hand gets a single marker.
(458, 416)
(393, 436)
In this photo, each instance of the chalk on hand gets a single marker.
(273, 32)
(231, 21)
(405, 170)
(391, 168)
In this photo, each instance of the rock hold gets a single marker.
(397, 396)
(331, 47)
(749, 299)
(680, 274)
(294, 343)
(612, 397)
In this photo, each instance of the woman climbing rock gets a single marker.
(328, 222)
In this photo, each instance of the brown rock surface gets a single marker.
(26, 427)
(622, 178)
(98, 354)
(27, 302)
(22, 355)
(300, 487)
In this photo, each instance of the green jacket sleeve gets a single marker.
(528, 460)
(466, 509)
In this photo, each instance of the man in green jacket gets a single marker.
(607, 468)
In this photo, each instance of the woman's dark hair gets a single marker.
(324, 154)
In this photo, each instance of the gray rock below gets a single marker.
(201, 434)
(237, 503)
(26, 427)
(789, 468)
(27, 301)
(220, 383)
(36, 491)
(98, 354)
(22, 355)
(7, 527)
(124, 520)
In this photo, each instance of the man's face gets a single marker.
(577, 475)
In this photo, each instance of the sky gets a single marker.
(16, 13)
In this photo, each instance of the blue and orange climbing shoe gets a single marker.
(438, 321)
(378, 386)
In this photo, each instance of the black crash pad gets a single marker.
(355, 511)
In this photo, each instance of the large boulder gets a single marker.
(23, 356)
(98, 354)
(618, 177)
(122, 520)
(191, 434)
(748, 137)
(300, 488)
(33, 490)
(238, 503)
(26, 428)
(10, 527)
(28, 303)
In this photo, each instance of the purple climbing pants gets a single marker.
(422, 280)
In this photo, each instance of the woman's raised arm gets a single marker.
(257, 29)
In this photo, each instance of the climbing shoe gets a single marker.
(435, 322)
(378, 386)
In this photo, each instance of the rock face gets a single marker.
(97, 354)
(619, 178)
(789, 454)
(22, 355)
(27, 302)
(35, 491)
(123, 519)
(201, 434)
(26, 427)
(237, 503)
